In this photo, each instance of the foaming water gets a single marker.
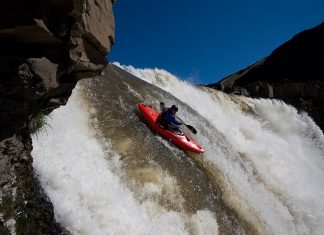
(267, 158)
(92, 190)
(106, 172)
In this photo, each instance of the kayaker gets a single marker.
(168, 118)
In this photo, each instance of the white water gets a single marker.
(271, 158)
(82, 176)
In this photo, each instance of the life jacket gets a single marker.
(162, 120)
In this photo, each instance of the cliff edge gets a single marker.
(46, 46)
(294, 73)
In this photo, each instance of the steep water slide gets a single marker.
(107, 172)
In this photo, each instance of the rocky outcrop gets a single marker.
(46, 46)
(294, 73)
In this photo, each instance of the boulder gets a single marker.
(46, 46)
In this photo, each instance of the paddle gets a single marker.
(191, 128)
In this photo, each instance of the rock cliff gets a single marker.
(46, 46)
(294, 73)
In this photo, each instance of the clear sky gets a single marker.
(204, 41)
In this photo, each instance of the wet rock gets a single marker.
(46, 46)
(24, 206)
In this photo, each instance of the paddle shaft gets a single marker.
(191, 128)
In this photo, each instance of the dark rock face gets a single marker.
(46, 46)
(23, 201)
(294, 73)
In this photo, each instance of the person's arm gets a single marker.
(175, 120)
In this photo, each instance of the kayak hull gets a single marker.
(184, 142)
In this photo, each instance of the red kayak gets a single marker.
(183, 141)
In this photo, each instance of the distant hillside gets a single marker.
(294, 73)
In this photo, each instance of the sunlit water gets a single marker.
(106, 172)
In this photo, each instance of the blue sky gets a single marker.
(204, 41)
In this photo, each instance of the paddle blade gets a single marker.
(192, 129)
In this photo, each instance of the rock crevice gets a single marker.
(46, 46)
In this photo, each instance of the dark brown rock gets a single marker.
(24, 202)
(46, 46)
(294, 73)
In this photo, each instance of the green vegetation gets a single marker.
(38, 122)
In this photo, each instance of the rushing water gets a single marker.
(106, 172)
